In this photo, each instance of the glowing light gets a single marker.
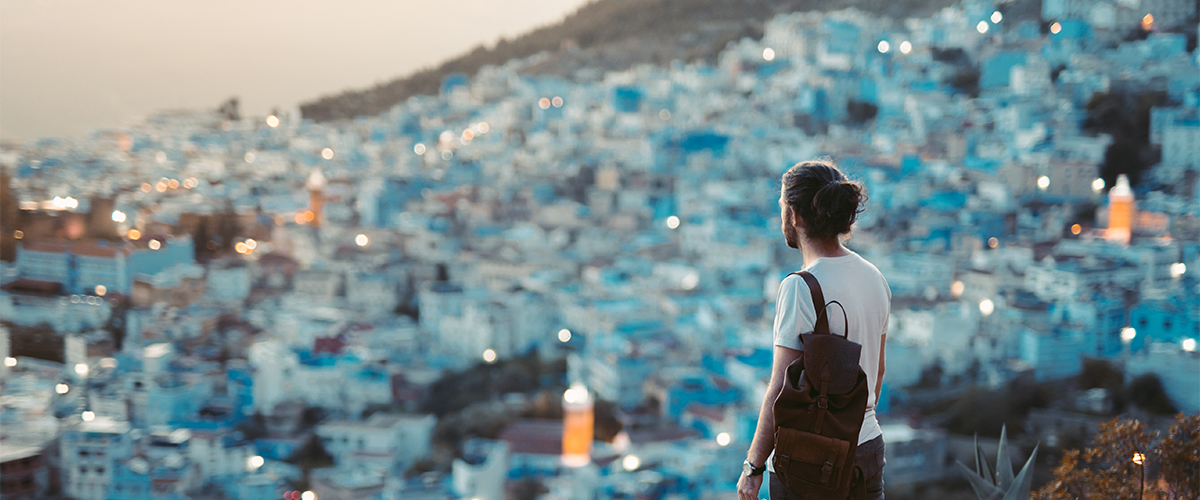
(300, 219)
(723, 439)
(419, 149)
(556, 102)
(361, 240)
(154, 244)
(1055, 28)
(101, 290)
(1139, 458)
(61, 388)
(118, 216)
(690, 280)
(81, 368)
(308, 495)
(240, 247)
(489, 355)
(483, 127)
(173, 184)
(146, 187)
(1076, 229)
(254, 462)
(447, 155)
(672, 222)
(160, 187)
(1128, 334)
(1148, 22)
(1189, 345)
(997, 17)
(905, 47)
(249, 157)
(987, 307)
(1043, 182)
(993, 242)
(631, 462)
(160, 157)
(884, 46)
(982, 27)
(664, 114)
(88, 416)
(1098, 185)
(10, 361)
(309, 216)
(564, 335)
(18, 234)
(544, 103)
(468, 134)
(327, 154)
(272, 121)
(1177, 269)
(251, 244)
(575, 394)
(769, 54)
(134, 234)
(956, 288)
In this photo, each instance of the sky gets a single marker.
(68, 67)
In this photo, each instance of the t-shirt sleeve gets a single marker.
(793, 312)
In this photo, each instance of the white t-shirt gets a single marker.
(862, 290)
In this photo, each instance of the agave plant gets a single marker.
(1001, 485)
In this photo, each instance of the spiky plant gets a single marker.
(1001, 485)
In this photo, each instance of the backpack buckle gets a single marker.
(823, 402)
(826, 471)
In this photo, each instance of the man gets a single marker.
(818, 205)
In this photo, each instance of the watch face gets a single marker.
(746, 469)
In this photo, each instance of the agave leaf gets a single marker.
(984, 489)
(1020, 487)
(981, 464)
(1004, 469)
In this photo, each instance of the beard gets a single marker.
(791, 236)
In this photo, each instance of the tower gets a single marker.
(578, 421)
(1121, 211)
(316, 195)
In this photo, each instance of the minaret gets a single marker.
(316, 195)
(1121, 211)
(578, 423)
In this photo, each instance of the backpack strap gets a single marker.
(820, 306)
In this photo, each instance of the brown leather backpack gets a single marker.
(820, 411)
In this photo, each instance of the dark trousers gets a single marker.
(869, 458)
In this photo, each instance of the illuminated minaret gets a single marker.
(316, 195)
(578, 421)
(1121, 211)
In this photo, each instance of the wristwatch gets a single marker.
(750, 470)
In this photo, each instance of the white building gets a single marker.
(384, 441)
(482, 471)
(89, 451)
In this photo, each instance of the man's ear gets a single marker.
(796, 220)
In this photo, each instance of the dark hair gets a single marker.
(823, 197)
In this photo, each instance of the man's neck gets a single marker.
(813, 251)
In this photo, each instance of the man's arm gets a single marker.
(764, 434)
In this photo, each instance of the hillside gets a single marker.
(609, 34)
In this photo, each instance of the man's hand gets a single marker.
(748, 486)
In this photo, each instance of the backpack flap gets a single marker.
(831, 359)
(805, 460)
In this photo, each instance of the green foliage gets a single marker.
(1003, 484)
(1126, 117)
(484, 381)
(609, 34)
(1107, 471)
(1146, 391)
(988, 411)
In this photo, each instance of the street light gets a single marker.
(1140, 460)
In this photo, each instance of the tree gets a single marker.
(1108, 470)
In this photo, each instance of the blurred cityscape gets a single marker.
(563, 288)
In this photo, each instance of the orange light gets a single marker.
(160, 187)
(18, 234)
(309, 216)
(173, 184)
(544, 103)
(272, 121)
(146, 187)
(1055, 28)
(993, 242)
(1148, 22)
(134, 234)
(1076, 229)
(154, 245)
(300, 219)
(240, 247)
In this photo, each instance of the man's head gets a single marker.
(818, 203)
